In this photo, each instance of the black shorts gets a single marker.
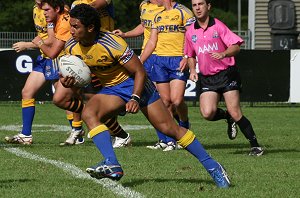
(226, 80)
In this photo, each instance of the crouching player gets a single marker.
(125, 87)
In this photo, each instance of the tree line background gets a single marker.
(16, 16)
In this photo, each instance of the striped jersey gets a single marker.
(171, 26)
(106, 14)
(105, 58)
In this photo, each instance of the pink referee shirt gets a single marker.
(217, 37)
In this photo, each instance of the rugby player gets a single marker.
(125, 87)
(215, 46)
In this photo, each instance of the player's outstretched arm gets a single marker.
(137, 31)
(53, 50)
(21, 46)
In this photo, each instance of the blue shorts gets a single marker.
(166, 69)
(149, 64)
(124, 91)
(48, 67)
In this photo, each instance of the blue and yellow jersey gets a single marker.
(40, 24)
(148, 11)
(105, 58)
(171, 27)
(106, 14)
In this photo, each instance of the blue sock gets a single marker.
(80, 139)
(27, 116)
(184, 124)
(70, 122)
(104, 145)
(200, 153)
(161, 136)
(169, 139)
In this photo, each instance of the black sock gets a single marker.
(122, 134)
(246, 128)
(220, 114)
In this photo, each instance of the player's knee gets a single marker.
(58, 101)
(166, 100)
(86, 115)
(207, 114)
(178, 102)
(26, 94)
(236, 115)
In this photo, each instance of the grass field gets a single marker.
(45, 169)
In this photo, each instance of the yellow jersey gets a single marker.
(40, 24)
(105, 58)
(106, 14)
(148, 11)
(171, 27)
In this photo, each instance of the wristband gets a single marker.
(50, 25)
(185, 56)
(136, 98)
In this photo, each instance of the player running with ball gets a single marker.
(125, 87)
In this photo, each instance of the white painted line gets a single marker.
(113, 186)
(63, 128)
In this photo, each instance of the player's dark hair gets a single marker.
(208, 2)
(56, 4)
(87, 15)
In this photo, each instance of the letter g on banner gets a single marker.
(24, 64)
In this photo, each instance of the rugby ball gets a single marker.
(70, 65)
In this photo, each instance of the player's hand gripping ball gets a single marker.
(70, 65)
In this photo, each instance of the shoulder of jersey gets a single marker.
(70, 43)
(144, 2)
(111, 40)
(183, 7)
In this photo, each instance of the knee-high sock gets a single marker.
(28, 111)
(184, 124)
(70, 118)
(161, 137)
(220, 114)
(192, 145)
(247, 129)
(77, 125)
(102, 140)
(115, 128)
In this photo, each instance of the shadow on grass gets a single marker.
(9, 183)
(136, 182)
(269, 150)
(206, 146)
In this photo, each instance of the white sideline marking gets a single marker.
(78, 173)
(63, 128)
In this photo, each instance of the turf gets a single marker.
(153, 173)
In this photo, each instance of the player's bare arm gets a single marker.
(21, 46)
(53, 50)
(150, 46)
(229, 52)
(135, 67)
(137, 31)
(98, 4)
(192, 67)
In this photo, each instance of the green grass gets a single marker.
(156, 173)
